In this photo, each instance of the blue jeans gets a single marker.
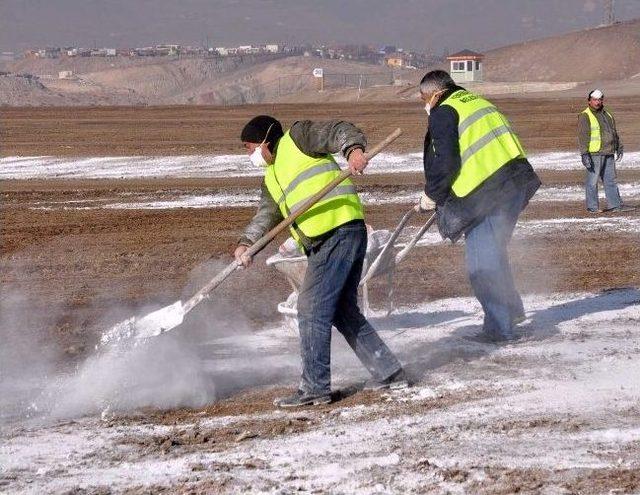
(329, 296)
(604, 167)
(489, 271)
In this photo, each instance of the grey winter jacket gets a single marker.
(608, 133)
(314, 139)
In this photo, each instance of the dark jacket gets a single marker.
(314, 139)
(441, 167)
(608, 133)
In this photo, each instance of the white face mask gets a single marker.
(427, 108)
(256, 157)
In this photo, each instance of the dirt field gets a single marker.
(72, 266)
(136, 256)
(544, 125)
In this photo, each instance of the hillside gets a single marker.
(234, 80)
(26, 91)
(606, 56)
(603, 53)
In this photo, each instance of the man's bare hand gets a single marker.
(240, 256)
(357, 161)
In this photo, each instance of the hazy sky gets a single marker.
(426, 25)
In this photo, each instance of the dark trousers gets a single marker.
(329, 296)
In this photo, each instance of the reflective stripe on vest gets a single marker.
(295, 177)
(487, 142)
(595, 140)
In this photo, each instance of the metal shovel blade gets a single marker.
(150, 325)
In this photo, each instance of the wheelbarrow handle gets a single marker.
(373, 269)
(410, 245)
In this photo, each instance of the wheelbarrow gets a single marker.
(380, 260)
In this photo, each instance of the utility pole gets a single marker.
(609, 12)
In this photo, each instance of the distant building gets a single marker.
(49, 52)
(103, 52)
(166, 49)
(7, 56)
(65, 74)
(272, 48)
(396, 60)
(147, 51)
(466, 66)
(247, 49)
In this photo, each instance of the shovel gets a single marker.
(164, 319)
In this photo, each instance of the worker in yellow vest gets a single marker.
(298, 163)
(479, 180)
(598, 140)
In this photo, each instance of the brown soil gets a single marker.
(79, 264)
(83, 263)
(543, 124)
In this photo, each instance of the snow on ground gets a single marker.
(531, 228)
(563, 400)
(169, 200)
(127, 167)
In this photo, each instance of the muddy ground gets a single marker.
(72, 267)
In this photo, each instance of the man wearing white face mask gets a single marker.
(478, 175)
(332, 233)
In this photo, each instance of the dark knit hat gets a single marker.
(262, 128)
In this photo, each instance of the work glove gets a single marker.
(619, 154)
(587, 161)
(425, 203)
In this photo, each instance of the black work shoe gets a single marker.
(490, 338)
(301, 398)
(620, 209)
(396, 381)
(482, 338)
(516, 320)
(594, 211)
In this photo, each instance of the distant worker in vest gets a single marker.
(598, 141)
(479, 180)
(298, 163)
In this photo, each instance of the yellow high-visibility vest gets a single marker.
(487, 142)
(295, 177)
(595, 141)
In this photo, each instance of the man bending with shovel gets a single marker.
(298, 163)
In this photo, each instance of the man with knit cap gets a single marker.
(598, 141)
(298, 163)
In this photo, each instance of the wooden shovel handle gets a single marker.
(269, 236)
